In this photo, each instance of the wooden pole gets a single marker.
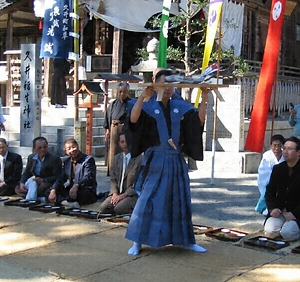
(214, 139)
(274, 101)
(76, 61)
(117, 57)
(89, 131)
(9, 99)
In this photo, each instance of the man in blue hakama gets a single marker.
(164, 130)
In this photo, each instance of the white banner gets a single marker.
(232, 26)
(129, 15)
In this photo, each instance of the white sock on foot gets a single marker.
(135, 249)
(195, 248)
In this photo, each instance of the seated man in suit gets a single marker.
(11, 174)
(122, 197)
(77, 183)
(42, 168)
(283, 194)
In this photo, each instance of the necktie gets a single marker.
(1, 169)
(123, 172)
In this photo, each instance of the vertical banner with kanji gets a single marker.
(163, 36)
(56, 39)
(214, 12)
(259, 116)
(30, 94)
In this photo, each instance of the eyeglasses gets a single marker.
(288, 149)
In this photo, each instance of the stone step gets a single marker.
(98, 150)
(96, 121)
(52, 119)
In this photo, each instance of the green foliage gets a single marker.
(240, 66)
(189, 31)
(141, 54)
(174, 53)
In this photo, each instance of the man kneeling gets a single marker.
(122, 197)
(283, 194)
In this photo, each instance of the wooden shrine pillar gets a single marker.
(117, 57)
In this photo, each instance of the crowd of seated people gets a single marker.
(72, 182)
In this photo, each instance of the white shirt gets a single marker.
(2, 165)
(126, 159)
(265, 169)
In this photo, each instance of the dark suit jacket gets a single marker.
(129, 177)
(283, 191)
(50, 170)
(13, 168)
(85, 174)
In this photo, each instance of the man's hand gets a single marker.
(38, 180)
(289, 216)
(52, 196)
(23, 188)
(115, 198)
(107, 134)
(293, 112)
(73, 192)
(147, 93)
(275, 212)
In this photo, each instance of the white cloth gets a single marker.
(265, 169)
(32, 188)
(2, 162)
(232, 26)
(130, 15)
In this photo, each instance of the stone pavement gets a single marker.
(37, 246)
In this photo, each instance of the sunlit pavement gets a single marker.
(37, 246)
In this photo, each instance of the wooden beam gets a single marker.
(22, 21)
(14, 7)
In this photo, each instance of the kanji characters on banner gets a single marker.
(56, 40)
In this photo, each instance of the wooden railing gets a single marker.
(283, 71)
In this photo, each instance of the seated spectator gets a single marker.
(77, 183)
(294, 119)
(283, 194)
(122, 197)
(42, 169)
(11, 167)
(269, 159)
(2, 118)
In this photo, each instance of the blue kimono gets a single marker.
(162, 214)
